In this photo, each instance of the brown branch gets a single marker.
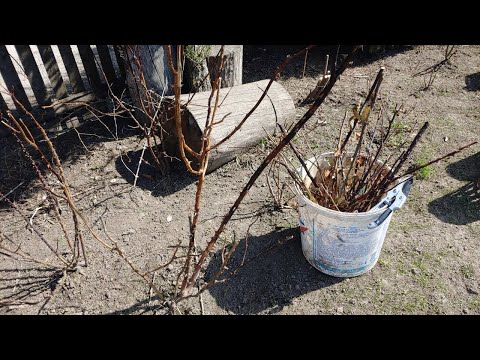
(273, 78)
(300, 123)
(178, 115)
(416, 168)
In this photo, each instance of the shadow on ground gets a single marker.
(270, 281)
(472, 82)
(150, 178)
(20, 287)
(461, 206)
(260, 61)
(16, 168)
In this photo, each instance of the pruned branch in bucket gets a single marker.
(356, 176)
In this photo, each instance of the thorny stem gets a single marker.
(178, 117)
(60, 175)
(300, 123)
(204, 154)
(416, 168)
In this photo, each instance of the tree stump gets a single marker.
(235, 102)
(201, 67)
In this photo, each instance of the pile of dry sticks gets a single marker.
(355, 181)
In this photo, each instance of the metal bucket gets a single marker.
(338, 243)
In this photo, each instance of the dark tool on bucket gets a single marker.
(393, 201)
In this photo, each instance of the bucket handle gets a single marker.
(394, 200)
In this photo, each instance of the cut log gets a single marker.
(201, 63)
(235, 102)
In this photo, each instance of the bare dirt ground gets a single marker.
(429, 261)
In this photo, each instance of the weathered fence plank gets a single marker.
(53, 72)
(88, 59)
(107, 64)
(33, 74)
(3, 105)
(10, 76)
(3, 112)
(119, 59)
(72, 68)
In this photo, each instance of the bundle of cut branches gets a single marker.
(353, 178)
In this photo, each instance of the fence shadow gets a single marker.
(70, 145)
(270, 281)
(461, 206)
(472, 82)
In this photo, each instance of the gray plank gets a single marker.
(121, 66)
(3, 113)
(72, 68)
(107, 64)
(88, 60)
(53, 71)
(33, 74)
(3, 106)
(10, 76)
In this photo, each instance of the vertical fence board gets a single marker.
(107, 64)
(33, 74)
(72, 68)
(3, 106)
(121, 66)
(3, 112)
(53, 71)
(11, 78)
(88, 60)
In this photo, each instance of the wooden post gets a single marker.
(201, 61)
(236, 102)
(154, 69)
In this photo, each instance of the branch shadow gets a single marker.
(472, 82)
(461, 206)
(260, 61)
(149, 177)
(140, 308)
(269, 282)
(17, 289)
(70, 145)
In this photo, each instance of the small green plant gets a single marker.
(417, 305)
(197, 53)
(384, 262)
(399, 133)
(96, 167)
(467, 271)
(474, 304)
(287, 226)
(264, 144)
(424, 173)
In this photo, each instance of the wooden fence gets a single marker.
(39, 75)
